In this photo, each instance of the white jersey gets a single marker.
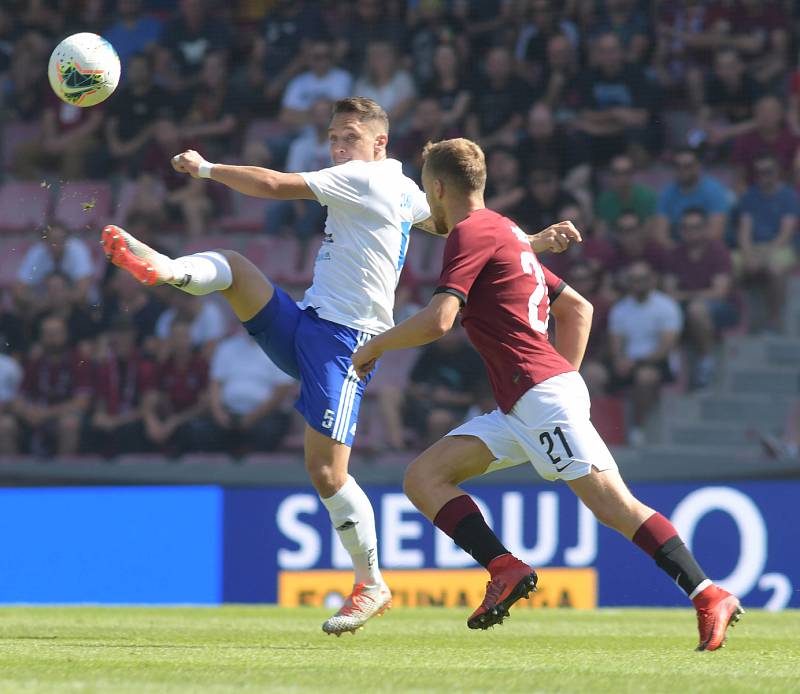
(371, 208)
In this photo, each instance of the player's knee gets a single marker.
(325, 477)
(416, 477)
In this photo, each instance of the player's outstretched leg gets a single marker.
(431, 484)
(607, 496)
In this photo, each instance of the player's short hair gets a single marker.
(367, 110)
(459, 161)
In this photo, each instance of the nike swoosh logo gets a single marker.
(564, 467)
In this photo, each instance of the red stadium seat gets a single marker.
(24, 206)
(83, 204)
(608, 417)
(14, 134)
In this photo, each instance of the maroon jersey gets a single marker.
(489, 265)
(54, 380)
(120, 383)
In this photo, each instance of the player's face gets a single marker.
(434, 192)
(350, 139)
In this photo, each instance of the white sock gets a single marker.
(202, 273)
(352, 516)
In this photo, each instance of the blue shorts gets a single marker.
(316, 352)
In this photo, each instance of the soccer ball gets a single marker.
(84, 69)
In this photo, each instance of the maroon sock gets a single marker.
(462, 520)
(658, 537)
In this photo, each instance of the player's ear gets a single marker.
(438, 188)
(381, 141)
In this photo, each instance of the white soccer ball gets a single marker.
(84, 69)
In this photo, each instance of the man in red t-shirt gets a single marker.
(490, 274)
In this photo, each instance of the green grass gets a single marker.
(264, 649)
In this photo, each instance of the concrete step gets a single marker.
(728, 409)
(716, 435)
(762, 380)
(766, 351)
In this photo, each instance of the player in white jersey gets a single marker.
(371, 209)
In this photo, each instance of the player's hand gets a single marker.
(364, 359)
(188, 162)
(556, 238)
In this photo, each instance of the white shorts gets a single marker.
(548, 427)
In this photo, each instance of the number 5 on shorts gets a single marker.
(327, 419)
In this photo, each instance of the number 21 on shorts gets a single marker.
(536, 303)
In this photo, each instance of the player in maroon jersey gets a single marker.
(490, 274)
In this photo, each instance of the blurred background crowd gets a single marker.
(668, 131)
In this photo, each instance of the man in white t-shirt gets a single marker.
(10, 380)
(321, 81)
(644, 328)
(56, 252)
(371, 209)
(247, 396)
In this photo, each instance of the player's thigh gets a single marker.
(607, 496)
(250, 290)
(430, 477)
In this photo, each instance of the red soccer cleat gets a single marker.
(716, 610)
(511, 581)
(147, 265)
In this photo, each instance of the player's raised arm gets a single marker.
(573, 316)
(249, 180)
(556, 238)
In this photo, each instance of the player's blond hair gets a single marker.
(367, 110)
(460, 162)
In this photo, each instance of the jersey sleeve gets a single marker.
(419, 206)
(465, 255)
(346, 184)
(555, 285)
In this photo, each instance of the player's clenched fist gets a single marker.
(364, 359)
(556, 238)
(188, 162)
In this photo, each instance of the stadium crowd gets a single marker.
(668, 131)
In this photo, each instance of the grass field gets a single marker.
(263, 649)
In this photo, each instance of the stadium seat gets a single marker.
(12, 251)
(208, 243)
(83, 204)
(275, 257)
(14, 134)
(24, 206)
(206, 459)
(248, 214)
(608, 417)
(140, 459)
(273, 460)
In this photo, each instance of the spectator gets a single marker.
(186, 200)
(13, 333)
(504, 187)
(498, 102)
(122, 375)
(69, 143)
(586, 280)
(211, 119)
(133, 33)
(187, 40)
(725, 105)
(248, 398)
(644, 327)
(373, 21)
(310, 151)
(617, 99)
(699, 275)
(448, 87)
(623, 194)
(322, 80)
(59, 300)
(386, 82)
(59, 252)
(207, 322)
(132, 113)
(10, 379)
(432, 28)
(626, 20)
(560, 83)
(770, 135)
(55, 394)
(127, 297)
(767, 227)
(545, 144)
(173, 412)
(427, 125)
(447, 379)
(691, 189)
(632, 242)
(543, 200)
(541, 21)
